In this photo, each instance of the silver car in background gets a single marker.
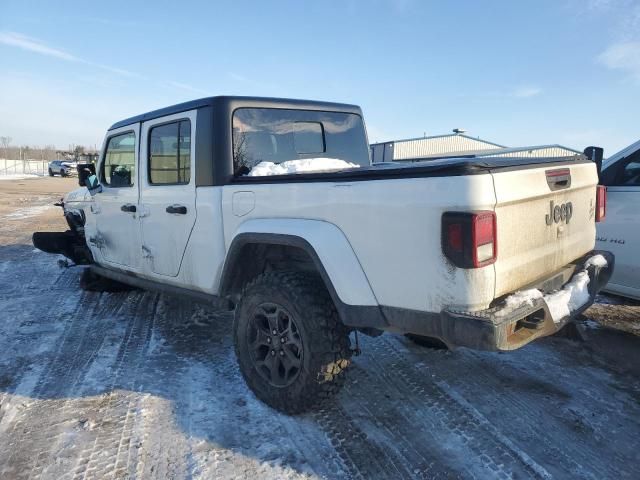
(62, 168)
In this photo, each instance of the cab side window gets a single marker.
(170, 153)
(119, 166)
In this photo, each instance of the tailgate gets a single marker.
(545, 220)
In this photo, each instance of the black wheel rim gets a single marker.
(275, 344)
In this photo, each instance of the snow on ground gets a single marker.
(17, 176)
(142, 385)
(27, 212)
(307, 165)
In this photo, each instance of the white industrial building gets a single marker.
(458, 144)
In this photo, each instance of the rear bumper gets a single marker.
(504, 327)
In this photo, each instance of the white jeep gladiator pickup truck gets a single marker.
(271, 207)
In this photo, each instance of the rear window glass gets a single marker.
(279, 135)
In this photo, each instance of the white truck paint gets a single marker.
(376, 235)
(332, 247)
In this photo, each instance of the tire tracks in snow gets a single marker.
(445, 418)
(57, 387)
(539, 413)
(18, 418)
(109, 454)
(140, 386)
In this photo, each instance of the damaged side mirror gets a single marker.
(84, 171)
(93, 185)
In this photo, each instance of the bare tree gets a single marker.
(77, 152)
(5, 142)
(25, 152)
(239, 151)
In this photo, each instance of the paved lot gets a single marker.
(141, 385)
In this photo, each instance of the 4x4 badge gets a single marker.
(558, 213)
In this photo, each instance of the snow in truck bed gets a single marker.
(343, 169)
(306, 165)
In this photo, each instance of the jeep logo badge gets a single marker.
(559, 212)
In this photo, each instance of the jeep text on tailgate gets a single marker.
(271, 207)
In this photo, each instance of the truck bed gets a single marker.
(441, 167)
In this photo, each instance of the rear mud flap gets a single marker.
(572, 331)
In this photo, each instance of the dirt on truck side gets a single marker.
(141, 385)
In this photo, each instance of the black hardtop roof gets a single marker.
(230, 103)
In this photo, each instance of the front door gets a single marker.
(167, 195)
(117, 236)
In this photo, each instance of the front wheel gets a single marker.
(291, 347)
(63, 173)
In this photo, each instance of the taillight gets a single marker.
(601, 202)
(469, 240)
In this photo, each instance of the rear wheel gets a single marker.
(50, 173)
(291, 347)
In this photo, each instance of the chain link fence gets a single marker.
(23, 167)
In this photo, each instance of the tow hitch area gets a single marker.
(531, 313)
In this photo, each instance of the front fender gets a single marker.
(323, 241)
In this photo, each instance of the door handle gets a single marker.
(129, 208)
(179, 209)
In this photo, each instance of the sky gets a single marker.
(517, 73)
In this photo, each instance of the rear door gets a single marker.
(168, 192)
(115, 208)
(545, 220)
(620, 231)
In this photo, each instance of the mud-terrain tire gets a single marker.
(92, 282)
(428, 342)
(50, 173)
(309, 334)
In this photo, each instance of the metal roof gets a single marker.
(537, 151)
(432, 137)
(438, 145)
(456, 144)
